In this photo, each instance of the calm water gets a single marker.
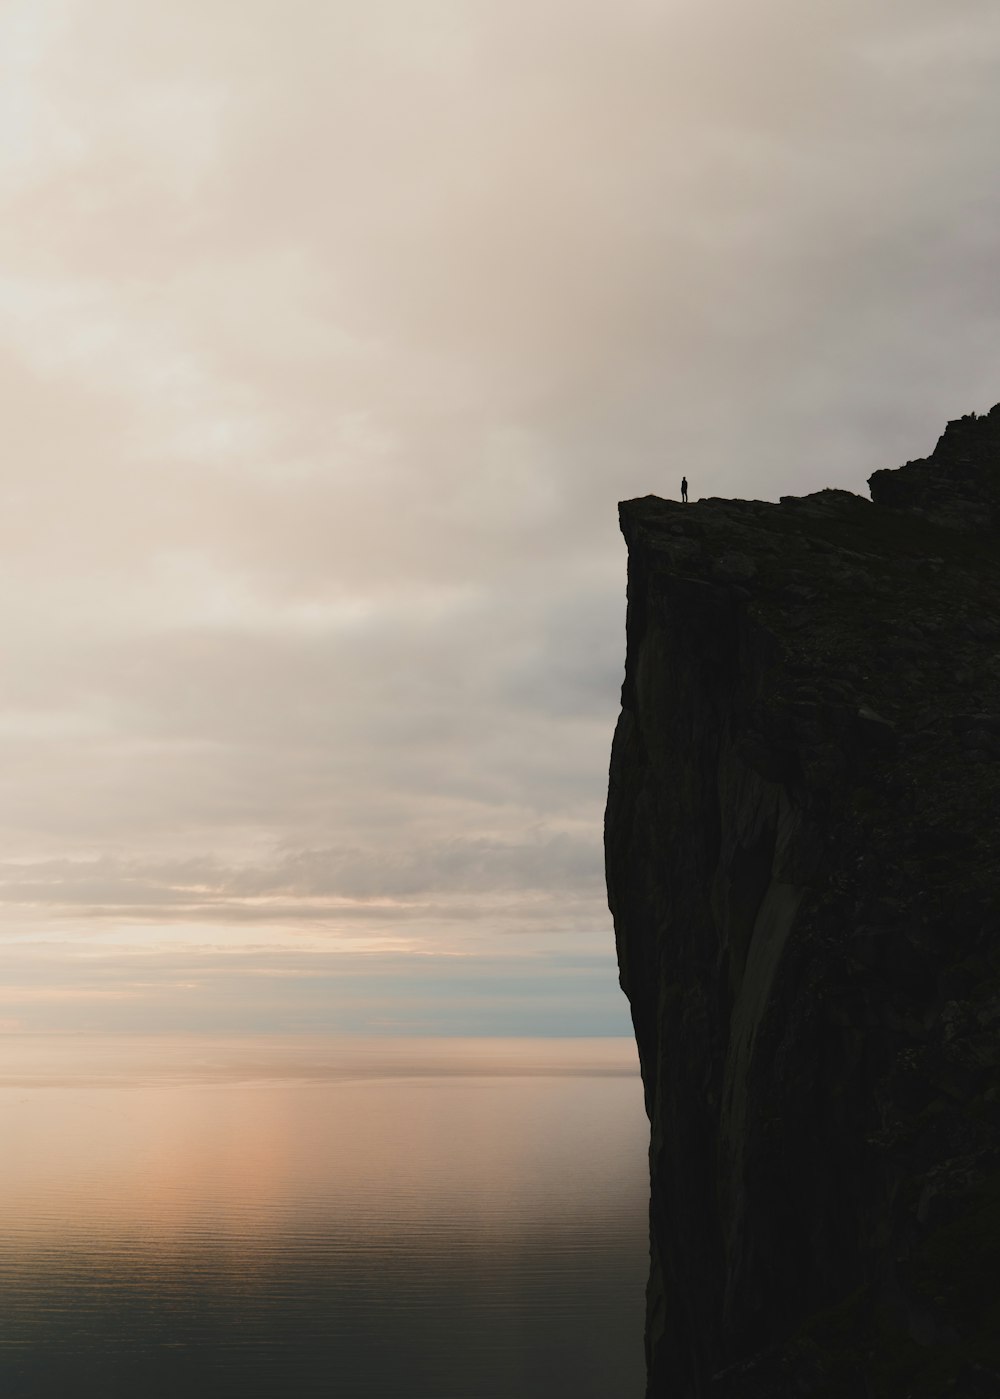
(449, 1219)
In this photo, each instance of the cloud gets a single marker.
(329, 337)
(308, 884)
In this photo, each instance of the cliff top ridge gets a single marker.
(958, 484)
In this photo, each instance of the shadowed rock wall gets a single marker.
(802, 861)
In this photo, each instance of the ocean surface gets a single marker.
(365, 1219)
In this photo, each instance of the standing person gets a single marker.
(684, 489)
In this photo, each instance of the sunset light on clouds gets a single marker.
(330, 335)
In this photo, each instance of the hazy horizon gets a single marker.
(331, 335)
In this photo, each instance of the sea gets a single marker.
(311, 1216)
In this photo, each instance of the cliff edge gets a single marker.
(802, 842)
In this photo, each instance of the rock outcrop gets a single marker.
(803, 863)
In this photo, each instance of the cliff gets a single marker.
(802, 864)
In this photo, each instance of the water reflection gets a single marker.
(432, 1219)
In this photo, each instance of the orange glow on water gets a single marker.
(174, 1137)
(249, 1217)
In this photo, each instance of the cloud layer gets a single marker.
(329, 336)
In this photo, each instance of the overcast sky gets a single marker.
(331, 332)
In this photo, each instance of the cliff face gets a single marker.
(802, 862)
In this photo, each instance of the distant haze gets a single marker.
(331, 331)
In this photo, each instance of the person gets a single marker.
(684, 489)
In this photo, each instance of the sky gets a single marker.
(331, 332)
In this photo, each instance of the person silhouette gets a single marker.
(684, 489)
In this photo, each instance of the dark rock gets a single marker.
(958, 485)
(802, 826)
(875, 731)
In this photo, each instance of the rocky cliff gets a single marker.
(802, 862)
